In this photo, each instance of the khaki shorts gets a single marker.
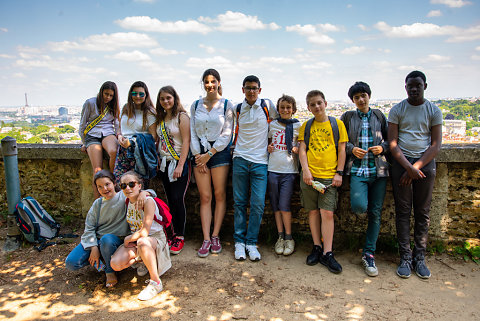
(312, 199)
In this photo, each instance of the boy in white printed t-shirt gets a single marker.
(282, 170)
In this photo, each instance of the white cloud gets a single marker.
(317, 65)
(19, 75)
(165, 52)
(353, 50)
(145, 23)
(131, 56)
(477, 48)
(362, 27)
(409, 67)
(71, 65)
(475, 57)
(349, 6)
(313, 33)
(436, 58)
(422, 30)
(384, 50)
(434, 13)
(145, 1)
(208, 49)
(277, 60)
(219, 61)
(3, 29)
(106, 42)
(6, 56)
(451, 3)
(239, 22)
(327, 27)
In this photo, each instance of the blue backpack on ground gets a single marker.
(35, 223)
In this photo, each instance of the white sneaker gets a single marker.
(141, 269)
(289, 247)
(279, 246)
(253, 253)
(151, 290)
(240, 251)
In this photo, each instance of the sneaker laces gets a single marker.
(370, 260)
(176, 241)
(405, 263)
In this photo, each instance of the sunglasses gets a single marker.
(130, 184)
(138, 93)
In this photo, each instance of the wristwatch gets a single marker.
(210, 153)
(340, 173)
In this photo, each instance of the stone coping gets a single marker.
(449, 153)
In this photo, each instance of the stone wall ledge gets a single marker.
(449, 153)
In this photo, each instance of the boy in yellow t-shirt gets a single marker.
(321, 162)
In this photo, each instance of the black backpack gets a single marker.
(36, 225)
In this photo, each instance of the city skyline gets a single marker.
(60, 52)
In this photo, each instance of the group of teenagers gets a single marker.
(266, 148)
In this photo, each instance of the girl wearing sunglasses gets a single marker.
(173, 130)
(105, 228)
(138, 117)
(148, 242)
(99, 126)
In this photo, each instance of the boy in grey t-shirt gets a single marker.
(415, 136)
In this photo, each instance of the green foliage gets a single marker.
(436, 247)
(468, 252)
(66, 129)
(462, 109)
(39, 130)
(34, 140)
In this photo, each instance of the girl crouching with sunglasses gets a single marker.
(105, 227)
(148, 242)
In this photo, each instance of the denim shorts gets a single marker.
(222, 158)
(92, 140)
(280, 189)
(312, 199)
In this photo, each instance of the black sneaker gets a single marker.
(314, 257)
(404, 270)
(329, 261)
(421, 268)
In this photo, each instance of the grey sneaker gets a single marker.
(289, 247)
(253, 253)
(150, 291)
(141, 269)
(279, 246)
(240, 254)
(404, 270)
(421, 268)
(368, 261)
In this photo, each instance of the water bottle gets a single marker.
(100, 267)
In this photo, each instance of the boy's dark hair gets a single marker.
(313, 93)
(415, 74)
(251, 78)
(359, 87)
(288, 99)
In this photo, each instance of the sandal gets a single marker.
(111, 280)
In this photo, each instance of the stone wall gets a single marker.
(59, 177)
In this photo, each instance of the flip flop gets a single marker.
(111, 283)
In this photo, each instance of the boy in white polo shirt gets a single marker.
(250, 165)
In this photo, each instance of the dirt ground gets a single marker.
(36, 286)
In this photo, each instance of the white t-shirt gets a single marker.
(172, 127)
(133, 126)
(414, 126)
(215, 125)
(252, 140)
(279, 160)
(135, 218)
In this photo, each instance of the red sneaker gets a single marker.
(177, 245)
(216, 246)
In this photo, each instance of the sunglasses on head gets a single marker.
(129, 184)
(138, 93)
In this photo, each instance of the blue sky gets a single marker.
(60, 52)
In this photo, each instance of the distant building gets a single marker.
(455, 127)
(62, 111)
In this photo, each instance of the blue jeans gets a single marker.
(107, 244)
(367, 195)
(248, 176)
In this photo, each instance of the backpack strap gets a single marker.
(336, 133)
(306, 134)
(238, 108)
(264, 106)
(196, 104)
